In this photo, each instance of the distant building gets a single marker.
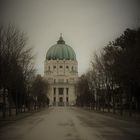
(61, 71)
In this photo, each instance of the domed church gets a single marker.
(61, 72)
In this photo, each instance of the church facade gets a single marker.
(61, 72)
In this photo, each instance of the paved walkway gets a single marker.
(61, 123)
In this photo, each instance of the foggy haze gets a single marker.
(86, 25)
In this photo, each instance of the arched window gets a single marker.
(67, 91)
(72, 68)
(54, 91)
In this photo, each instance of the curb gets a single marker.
(133, 119)
(4, 122)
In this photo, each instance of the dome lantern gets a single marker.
(61, 41)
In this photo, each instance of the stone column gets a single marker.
(51, 95)
(64, 97)
(57, 96)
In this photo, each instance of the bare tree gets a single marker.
(16, 64)
(39, 91)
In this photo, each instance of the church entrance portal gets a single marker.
(61, 94)
(61, 99)
(61, 103)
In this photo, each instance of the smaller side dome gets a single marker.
(60, 51)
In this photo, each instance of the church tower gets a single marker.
(61, 72)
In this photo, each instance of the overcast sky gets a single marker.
(86, 25)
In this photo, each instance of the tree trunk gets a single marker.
(130, 102)
(4, 103)
(114, 110)
(16, 104)
(121, 105)
(10, 103)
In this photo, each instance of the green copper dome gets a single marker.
(60, 51)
